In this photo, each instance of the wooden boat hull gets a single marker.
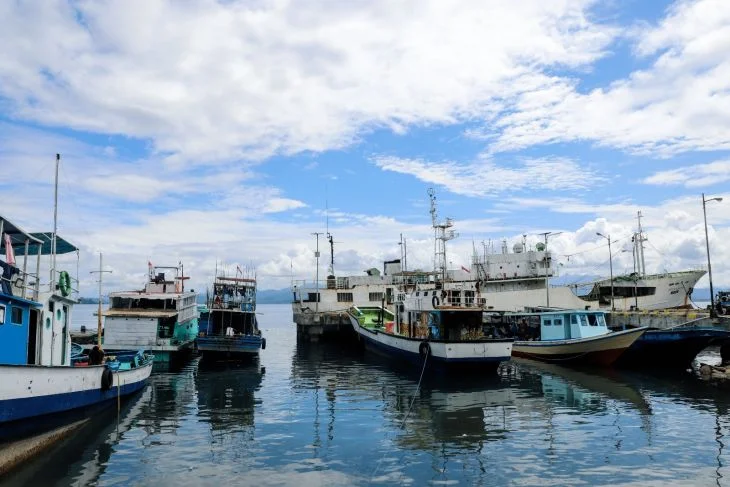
(30, 391)
(477, 354)
(602, 350)
(670, 349)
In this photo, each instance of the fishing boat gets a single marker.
(161, 319)
(228, 329)
(564, 336)
(432, 324)
(672, 348)
(445, 336)
(40, 381)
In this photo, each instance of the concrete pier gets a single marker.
(15, 453)
(332, 325)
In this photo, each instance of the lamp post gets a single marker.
(610, 262)
(707, 243)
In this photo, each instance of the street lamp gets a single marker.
(610, 262)
(707, 243)
(547, 268)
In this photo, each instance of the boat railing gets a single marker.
(22, 284)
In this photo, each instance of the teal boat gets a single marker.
(161, 319)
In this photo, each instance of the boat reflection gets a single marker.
(583, 390)
(226, 395)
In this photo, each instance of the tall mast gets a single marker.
(98, 313)
(316, 282)
(442, 234)
(55, 226)
(639, 243)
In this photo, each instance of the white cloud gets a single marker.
(695, 176)
(680, 103)
(209, 80)
(484, 177)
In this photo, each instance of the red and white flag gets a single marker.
(9, 254)
(465, 270)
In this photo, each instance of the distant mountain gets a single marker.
(273, 296)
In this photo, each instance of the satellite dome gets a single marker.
(518, 248)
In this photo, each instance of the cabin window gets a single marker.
(376, 297)
(2, 315)
(547, 322)
(344, 297)
(312, 298)
(601, 320)
(16, 315)
(573, 320)
(592, 320)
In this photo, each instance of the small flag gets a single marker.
(9, 254)
(238, 270)
(465, 270)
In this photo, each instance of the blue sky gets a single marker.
(207, 131)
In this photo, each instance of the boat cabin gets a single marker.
(232, 308)
(163, 313)
(548, 325)
(34, 319)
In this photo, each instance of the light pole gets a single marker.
(316, 282)
(707, 243)
(547, 267)
(610, 262)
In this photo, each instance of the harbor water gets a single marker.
(326, 414)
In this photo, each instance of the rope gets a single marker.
(408, 412)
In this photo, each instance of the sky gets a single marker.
(226, 133)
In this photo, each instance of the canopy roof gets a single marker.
(35, 240)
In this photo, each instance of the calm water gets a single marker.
(329, 415)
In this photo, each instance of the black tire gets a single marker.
(107, 379)
(424, 349)
(435, 301)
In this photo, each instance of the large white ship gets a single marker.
(501, 280)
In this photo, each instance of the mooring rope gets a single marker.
(408, 412)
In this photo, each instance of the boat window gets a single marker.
(344, 297)
(573, 319)
(2, 315)
(583, 320)
(558, 322)
(592, 320)
(601, 320)
(547, 322)
(375, 297)
(16, 315)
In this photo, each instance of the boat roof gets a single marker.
(557, 312)
(235, 279)
(146, 295)
(18, 236)
(142, 313)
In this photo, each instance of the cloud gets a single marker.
(695, 176)
(679, 103)
(484, 177)
(207, 81)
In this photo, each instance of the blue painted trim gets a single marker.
(29, 407)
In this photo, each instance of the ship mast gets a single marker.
(442, 234)
(639, 240)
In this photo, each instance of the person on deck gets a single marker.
(96, 356)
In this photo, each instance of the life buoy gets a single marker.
(424, 349)
(64, 283)
(107, 379)
(263, 344)
(435, 301)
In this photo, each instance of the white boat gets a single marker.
(426, 329)
(564, 336)
(162, 318)
(38, 380)
(228, 329)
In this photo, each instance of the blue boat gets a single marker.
(41, 374)
(673, 348)
(228, 329)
